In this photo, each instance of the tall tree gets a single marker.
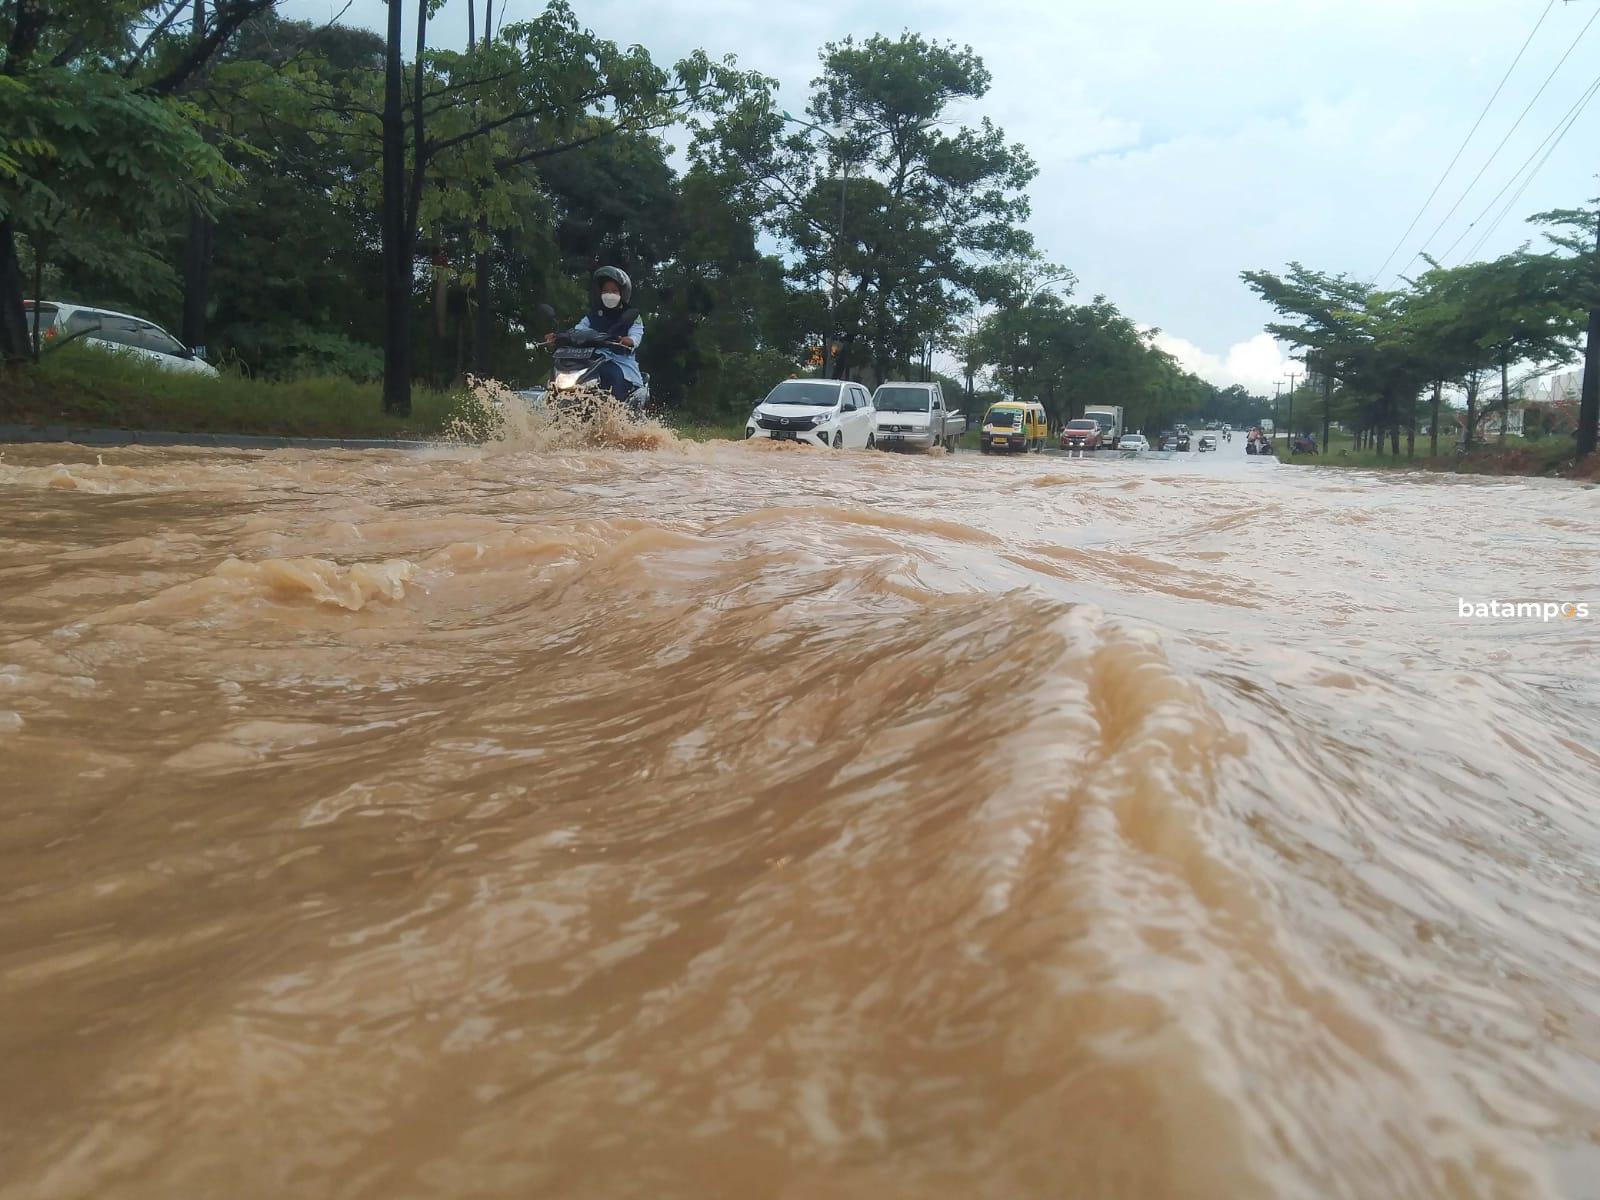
(888, 212)
(538, 89)
(1577, 231)
(198, 243)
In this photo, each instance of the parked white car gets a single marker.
(108, 330)
(818, 412)
(1134, 441)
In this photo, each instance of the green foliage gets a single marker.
(1448, 327)
(923, 209)
(1070, 355)
(83, 386)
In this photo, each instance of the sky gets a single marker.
(1179, 143)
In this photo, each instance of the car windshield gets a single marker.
(1083, 424)
(819, 393)
(1003, 418)
(902, 399)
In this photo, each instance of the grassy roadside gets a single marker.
(1552, 457)
(83, 388)
(701, 431)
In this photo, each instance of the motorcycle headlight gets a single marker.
(567, 379)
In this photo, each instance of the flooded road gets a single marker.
(742, 821)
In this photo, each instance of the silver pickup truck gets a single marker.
(913, 416)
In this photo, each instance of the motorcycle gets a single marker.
(575, 370)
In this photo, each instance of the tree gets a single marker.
(1577, 231)
(1325, 315)
(540, 88)
(97, 139)
(884, 210)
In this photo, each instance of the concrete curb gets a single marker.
(231, 441)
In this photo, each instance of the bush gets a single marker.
(293, 351)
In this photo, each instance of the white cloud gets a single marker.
(1257, 364)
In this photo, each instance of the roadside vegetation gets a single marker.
(1548, 456)
(83, 388)
(350, 222)
(315, 203)
(1382, 362)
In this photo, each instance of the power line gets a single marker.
(1577, 106)
(1515, 125)
(1510, 204)
(1461, 148)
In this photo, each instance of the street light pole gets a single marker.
(830, 358)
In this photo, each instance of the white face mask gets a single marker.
(610, 299)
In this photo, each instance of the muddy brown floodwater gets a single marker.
(733, 821)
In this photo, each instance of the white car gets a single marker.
(107, 330)
(1134, 441)
(817, 412)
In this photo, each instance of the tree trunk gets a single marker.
(480, 265)
(1411, 429)
(15, 344)
(481, 325)
(396, 237)
(1472, 413)
(1327, 406)
(38, 297)
(1589, 397)
(1433, 444)
(197, 246)
(1505, 398)
(196, 278)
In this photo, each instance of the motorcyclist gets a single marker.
(611, 313)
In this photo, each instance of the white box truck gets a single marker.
(1109, 418)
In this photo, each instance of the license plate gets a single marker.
(784, 434)
(999, 441)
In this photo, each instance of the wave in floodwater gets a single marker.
(620, 817)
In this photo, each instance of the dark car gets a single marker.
(1175, 440)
